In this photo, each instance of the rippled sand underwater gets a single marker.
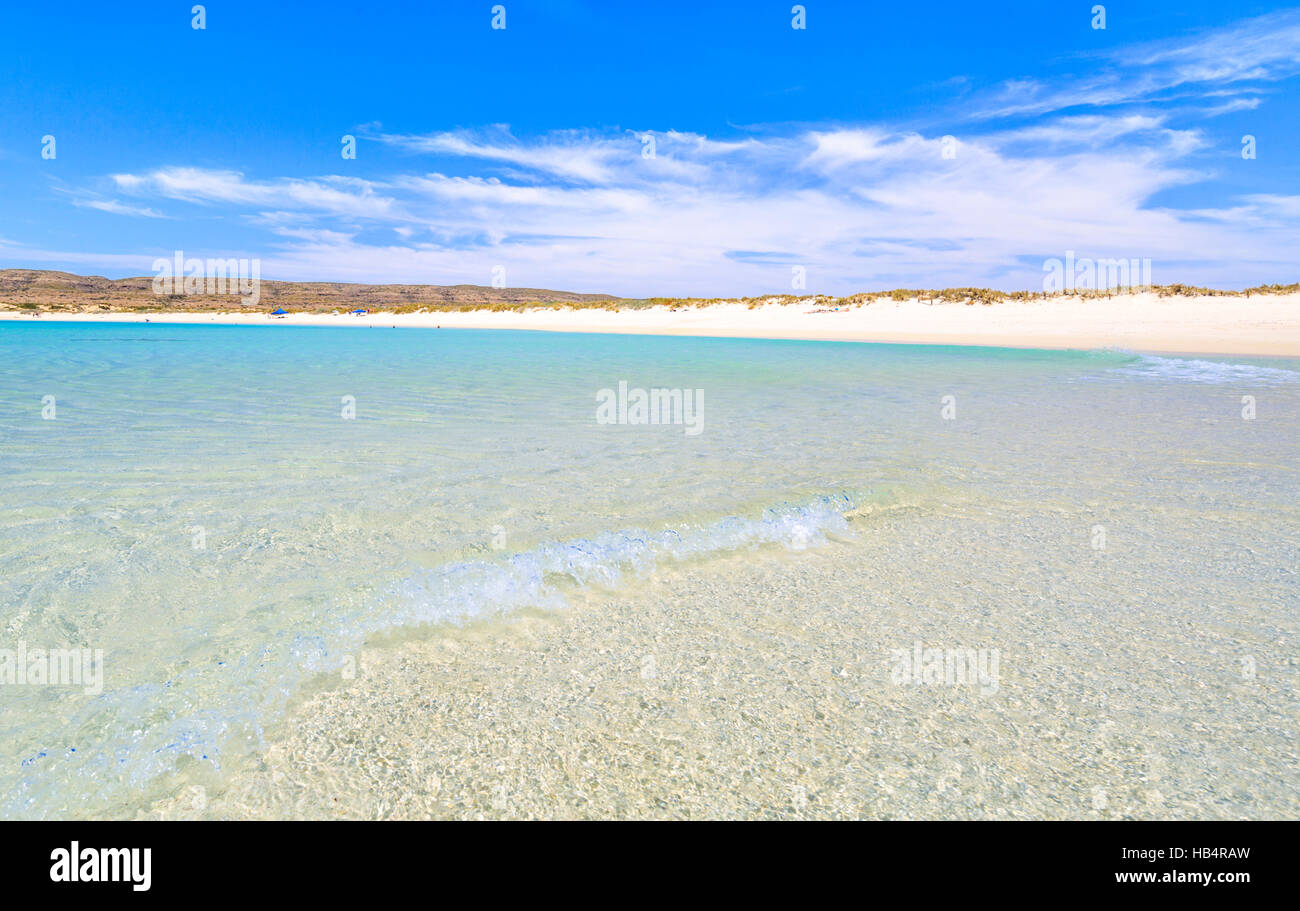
(475, 600)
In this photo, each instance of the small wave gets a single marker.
(465, 591)
(1193, 370)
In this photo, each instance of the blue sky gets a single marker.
(524, 148)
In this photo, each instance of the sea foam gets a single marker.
(1195, 370)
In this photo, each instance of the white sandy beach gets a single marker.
(1258, 325)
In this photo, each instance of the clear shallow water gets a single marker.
(475, 480)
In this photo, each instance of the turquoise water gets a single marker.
(199, 508)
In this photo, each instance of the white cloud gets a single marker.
(332, 195)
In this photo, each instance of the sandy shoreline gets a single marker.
(1259, 325)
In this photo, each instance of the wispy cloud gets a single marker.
(1260, 50)
(89, 199)
(1235, 104)
(332, 195)
(573, 155)
(117, 208)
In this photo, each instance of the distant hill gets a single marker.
(39, 289)
(46, 290)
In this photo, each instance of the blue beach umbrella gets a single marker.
(279, 312)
